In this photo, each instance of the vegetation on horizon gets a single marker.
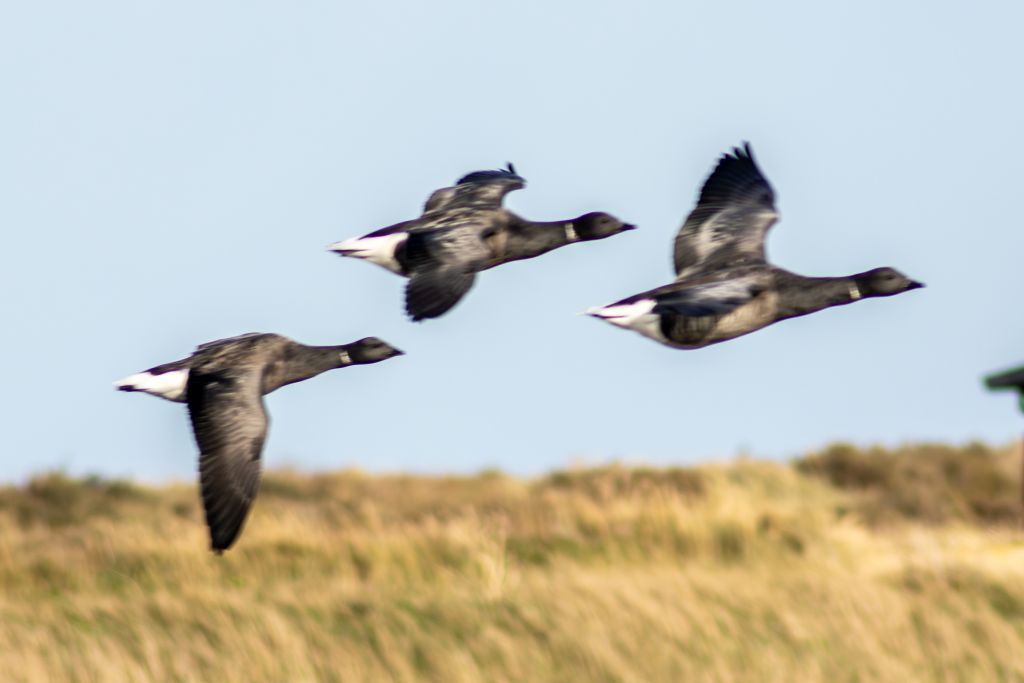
(851, 564)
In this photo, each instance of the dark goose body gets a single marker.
(465, 229)
(725, 287)
(223, 384)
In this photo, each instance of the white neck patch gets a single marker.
(570, 233)
(855, 291)
(345, 358)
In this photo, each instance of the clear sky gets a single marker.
(171, 172)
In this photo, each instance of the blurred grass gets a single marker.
(849, 565)
(933, 483)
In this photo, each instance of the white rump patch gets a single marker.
(169, 385)
(378, 250)
(636, 316)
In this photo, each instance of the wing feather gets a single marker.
(707, 299)
(727, 228)
(230, 425)
(480, 189)
(206, 346)
(432, 292)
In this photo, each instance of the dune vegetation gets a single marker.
(845, 565)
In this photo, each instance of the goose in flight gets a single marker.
(725, 286)
(223, 383)
(463, 230)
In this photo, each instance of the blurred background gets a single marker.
(171, 174)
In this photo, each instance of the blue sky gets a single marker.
(171, 172)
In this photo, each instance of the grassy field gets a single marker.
(847, 565)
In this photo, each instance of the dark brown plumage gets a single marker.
(224, 384)
(725, 287)
(463, 230)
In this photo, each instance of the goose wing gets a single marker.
(445, 262)
(439, 199)
(234, 341)
(697, 299)
(732, 217)
(230, 424)
(482, 189)
(433, 292)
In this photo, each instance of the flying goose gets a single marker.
(463, 230)
(725, 287)
(223, 382)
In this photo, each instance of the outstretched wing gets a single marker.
(206, 346)
(728, 227)
(707, 299)
(230, 426)
(443, 262)
(449, 244)
(434, 291)
(498, 174)
(439, 199)
(480, 189)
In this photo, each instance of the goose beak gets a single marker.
(628, 226)
(914, 284)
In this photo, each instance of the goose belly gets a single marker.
(694, 333)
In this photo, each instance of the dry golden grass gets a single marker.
(741, 572)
